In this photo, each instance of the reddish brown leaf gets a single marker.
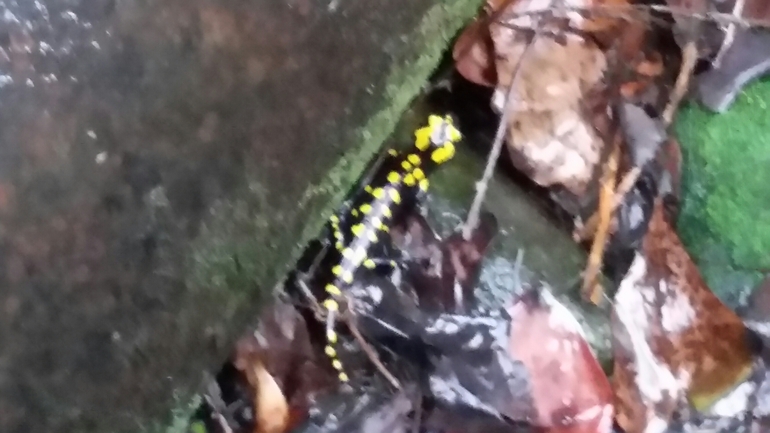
(473, 54)
(672, 337)
(570, 390)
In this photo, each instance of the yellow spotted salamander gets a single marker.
(357, 229)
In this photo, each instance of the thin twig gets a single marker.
(370, 352)
(314, 305)
(497, 146)
(730, 33)
(689, 59)
(591, 289)
(626, 183)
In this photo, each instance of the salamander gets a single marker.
(359, 227)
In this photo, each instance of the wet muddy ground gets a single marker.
(135, 134)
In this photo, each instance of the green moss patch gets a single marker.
(725, 215)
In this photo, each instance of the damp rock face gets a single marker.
(160, 162)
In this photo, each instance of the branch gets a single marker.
(497, 146)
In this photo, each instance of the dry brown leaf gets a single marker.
(271, 408)
(473, 54)
(281, 368)
(646, 70)
(549, 136)
(672, 337)
(473, 51)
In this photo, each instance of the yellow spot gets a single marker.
(333, 290)
(443, 153)
(406, 165)
(334, 219)
(368, 189)
(337, 235)
(409, 180)
(198, 427)
(435, 121)
(378, 193)
(338, 245)
(343, 377)
(424, 184)
(357, 229)
(354, 212)
(331, 305)
(336, 364)
(336, 270)
(386, 212)
(393, 263)
(393, 152)
(330, 352)
(414, 159)
(369, 263)
(373, 236)
(395, 196)
(422, 138)
(393, 177)
(418, 174)
(385, 228)
(331, 336)
(366, 208)
(453, 133)
(347, 277)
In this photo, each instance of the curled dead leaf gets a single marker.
(271, 408)
(281, 369)
(443, 272)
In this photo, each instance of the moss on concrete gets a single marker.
(242, 261)
(243, 249)
(403, 83)
(725, 217)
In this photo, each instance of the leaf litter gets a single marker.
(585, 91)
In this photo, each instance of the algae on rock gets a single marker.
(725, 215)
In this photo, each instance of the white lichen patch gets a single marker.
(677, 312)
(635, 312)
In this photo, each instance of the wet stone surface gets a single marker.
(152, 156)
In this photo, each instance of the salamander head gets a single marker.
(438, 139)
